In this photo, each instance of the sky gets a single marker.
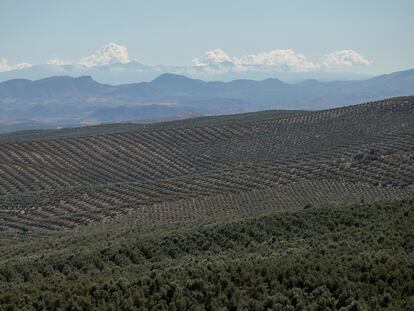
(180, 32)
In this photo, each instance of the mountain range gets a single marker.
(134, 71)
(112, 64)
(64, 101)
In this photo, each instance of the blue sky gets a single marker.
(176, 32)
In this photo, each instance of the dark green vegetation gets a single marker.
(334, 257)
(273, 210)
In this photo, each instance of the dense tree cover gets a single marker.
(333, 257)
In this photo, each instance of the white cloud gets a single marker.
(279, 60)
(58, 61)
(108, 54)
(216, 62)
(344, 58)
(5, 66)
(214, 57)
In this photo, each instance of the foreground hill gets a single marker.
(65, 101)
(207, 168)
(331, 257)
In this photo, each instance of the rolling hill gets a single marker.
(54, 181)
(282, 210)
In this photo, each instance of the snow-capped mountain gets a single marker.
(112, 64)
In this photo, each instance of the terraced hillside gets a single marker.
(178, 171)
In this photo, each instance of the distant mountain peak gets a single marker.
(65, 97)
(63, 79)
(170, 77)
(108, 54)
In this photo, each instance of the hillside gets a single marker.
(332, 257)
(128, 127)
(153, 172)
(64, 101)
(277, 210)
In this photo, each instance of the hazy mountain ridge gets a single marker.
(68, 101)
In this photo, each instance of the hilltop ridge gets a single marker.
(70, 102)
